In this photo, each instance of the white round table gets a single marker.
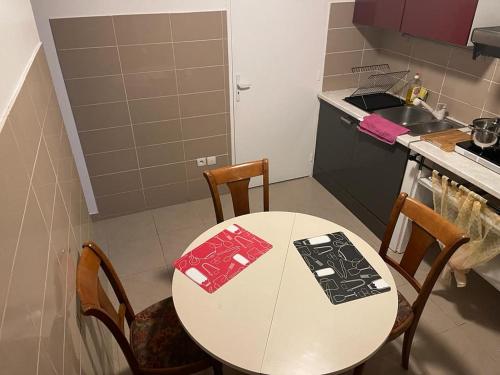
(274, 317)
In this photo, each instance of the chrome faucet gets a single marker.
(439, 113)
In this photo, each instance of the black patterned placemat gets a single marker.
(341, 270)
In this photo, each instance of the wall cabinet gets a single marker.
(444, 20)
(386, 14)
(448, 21)
(364, 174)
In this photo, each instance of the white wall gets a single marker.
(19, 41)
(47, 9)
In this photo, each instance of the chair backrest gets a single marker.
(237, 178)
(427, 228)
(95, 302)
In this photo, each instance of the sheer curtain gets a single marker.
(469, 212)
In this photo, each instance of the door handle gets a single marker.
(243, 86)
(346, 120)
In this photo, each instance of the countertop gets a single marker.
(469, 170)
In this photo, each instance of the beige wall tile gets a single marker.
(163, 175)
(340, 82)
(198, 189)
(106, 140)
(471, 90)
(142, 28)
(194, 172)
(39, 85)
(348, 39)
(120, 204)
(341, 63)
(89, 62)
(493, 100)
(14, 184)
(202, 104)
(21, 317)
(155, 109)
(374, 37)
(432, 75)
(116, 183)
(157, 132)
(201, 79)
(224, 24)
(198, 148)
(44, 182)
(95, 90)
(101, 116)
(496, 77)
(434, 52)
(150, 85)
(166, 195)
(146, 57)
(160, 154)
(461, 59)
(25, 127)
(461, 111)
(204, 126)
(111, 162)
(196, 26)
(82, 32)
(396, 61)
(341, 14)
(396, 42)
(198, 54)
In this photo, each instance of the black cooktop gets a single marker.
(373, 102)
(491, 154)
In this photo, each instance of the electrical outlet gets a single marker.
(201, 162)
(211, 160)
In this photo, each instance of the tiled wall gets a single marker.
(471, 89)
(149, 95)
(43, 221)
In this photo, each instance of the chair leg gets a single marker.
(217, 366)
(358, 370)
(407, 341)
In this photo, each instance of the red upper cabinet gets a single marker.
(386, 14)
(445, 20)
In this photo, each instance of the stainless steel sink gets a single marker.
(418, 120)
(433, 127)
(406, 115)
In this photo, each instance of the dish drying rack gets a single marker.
(378, 83)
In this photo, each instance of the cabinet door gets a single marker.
(445, 20)
(379, 13)
(334, 147)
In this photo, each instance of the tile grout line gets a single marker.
(117, 45)
(489, 89)
(129, 114)
(151, 166)
(179, 106)
(153, 122)
(145, 98)
(450, 54)
(279, 288)
(143, 72)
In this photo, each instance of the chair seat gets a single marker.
(159, 340)
(404, 317)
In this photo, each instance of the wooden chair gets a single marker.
(158, 344)
(427, 227)
(237, 178)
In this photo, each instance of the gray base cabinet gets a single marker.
(360, 171)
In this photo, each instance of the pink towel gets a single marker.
(381, 129)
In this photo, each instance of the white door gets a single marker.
(278, 49)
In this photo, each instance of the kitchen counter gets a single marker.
(469, 170)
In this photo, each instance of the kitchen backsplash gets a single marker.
(43, 223)
(471, 89)
(149, 95)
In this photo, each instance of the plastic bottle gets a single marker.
(413, 89)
